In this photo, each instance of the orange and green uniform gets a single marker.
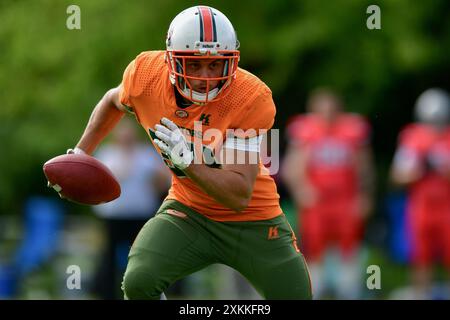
(191, 229)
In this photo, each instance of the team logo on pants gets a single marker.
(273, 233)
(176, 213)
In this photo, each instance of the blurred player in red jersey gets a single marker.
(328, 170)
(422, 163)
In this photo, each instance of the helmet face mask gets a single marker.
(201, 34)
(183, 81)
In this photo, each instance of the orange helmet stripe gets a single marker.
(207, 25)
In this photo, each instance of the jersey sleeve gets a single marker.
(301, 130)
(127, 86)
(358, 130)
(130, 86)
(416, 138)
(408, 154)
(292, 126)
(259, 117)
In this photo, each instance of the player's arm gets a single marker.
(406, 167)
(366, 177)
(103, 119)
(291, 169)
(293, 174)
(232, 185)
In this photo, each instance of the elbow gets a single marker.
(239, 197)
(111, 97)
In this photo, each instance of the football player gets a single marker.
(328, 171)
(216, 211)
(422, 164)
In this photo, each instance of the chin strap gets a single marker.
(201, 96)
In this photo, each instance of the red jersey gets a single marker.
(431, 149)
(332, 150)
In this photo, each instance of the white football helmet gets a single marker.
(201, 32)
(433, 107)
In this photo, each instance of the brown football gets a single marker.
(81, 178)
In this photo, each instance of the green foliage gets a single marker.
(52, 77)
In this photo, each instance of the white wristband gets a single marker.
(251, 144)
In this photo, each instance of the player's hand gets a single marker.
(307, 196)
(172, 142)
(56, 187)
(75, 150)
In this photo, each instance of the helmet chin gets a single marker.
(195, 96)
(198, 97)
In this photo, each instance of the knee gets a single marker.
(140, 284)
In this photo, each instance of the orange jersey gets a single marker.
(149, 94)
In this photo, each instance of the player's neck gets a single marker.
(181, 101)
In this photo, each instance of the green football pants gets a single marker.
(179, 241)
